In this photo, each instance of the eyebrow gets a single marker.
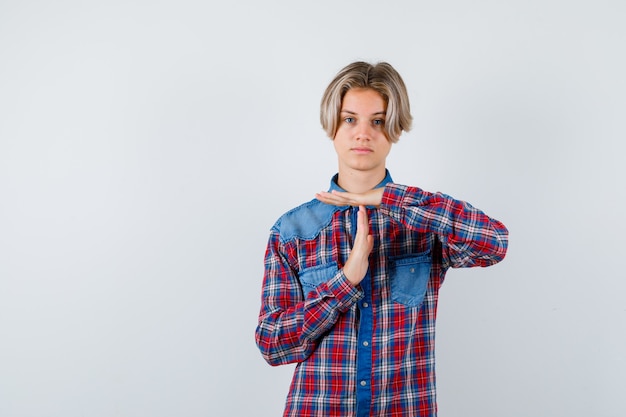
(384, 113)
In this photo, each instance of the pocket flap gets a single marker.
(314, 276)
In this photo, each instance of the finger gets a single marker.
(363, 239)
(362, 226)
(364, 221)
(349, 198)
(333, 199)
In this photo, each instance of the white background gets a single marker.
(146, 148)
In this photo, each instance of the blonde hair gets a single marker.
(383, 79)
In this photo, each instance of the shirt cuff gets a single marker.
(345, 294)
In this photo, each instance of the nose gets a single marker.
(364, 131)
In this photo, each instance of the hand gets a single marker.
(339, 198)
(358, 262)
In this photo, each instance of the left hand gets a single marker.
(339, 198)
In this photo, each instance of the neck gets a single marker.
(354, 181)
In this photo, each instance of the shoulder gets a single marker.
(305, 221)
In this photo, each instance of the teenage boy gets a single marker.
(352, 277)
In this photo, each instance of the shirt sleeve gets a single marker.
(290, 322)
(469, 237)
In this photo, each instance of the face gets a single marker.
(360, 141)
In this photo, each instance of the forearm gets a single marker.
(469, 237)
(290, 326)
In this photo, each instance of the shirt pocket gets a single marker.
(409, 277)
(310, 278)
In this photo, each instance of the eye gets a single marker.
(378, 122)
(349, 120)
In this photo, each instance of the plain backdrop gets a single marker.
(147, 147)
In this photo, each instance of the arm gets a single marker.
(291, 323)
(469, 237)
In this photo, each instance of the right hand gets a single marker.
(358, 262)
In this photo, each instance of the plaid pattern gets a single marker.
(369, 350)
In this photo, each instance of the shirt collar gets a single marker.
(336, 187)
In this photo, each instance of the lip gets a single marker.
(361, 150)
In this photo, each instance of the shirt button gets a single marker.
(363, 383)
(366, 343)
(412, 270)
(365, 305)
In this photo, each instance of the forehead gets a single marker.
(363, 100)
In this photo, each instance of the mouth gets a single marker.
(362, 150)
